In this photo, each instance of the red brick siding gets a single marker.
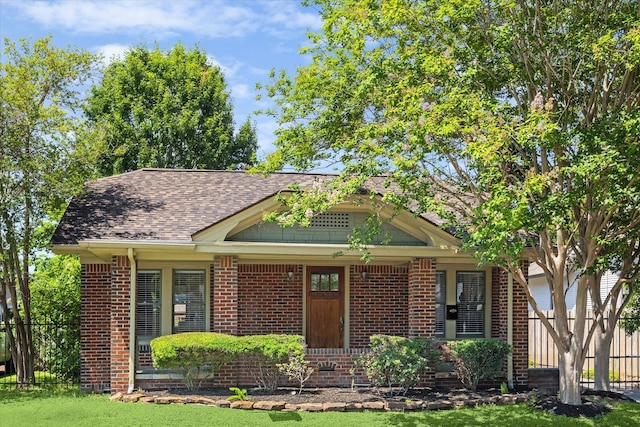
(521, 331)
(95, 315)
(224, 295)
(268, 301)
(120, 319)
(421, 297)
(499, 321)
(378, 305)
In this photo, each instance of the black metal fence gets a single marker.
(624, 361)
(56, 355)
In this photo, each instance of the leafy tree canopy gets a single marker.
(516, 121)
(167, 109)
(46, 153)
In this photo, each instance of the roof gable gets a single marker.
(192, 205)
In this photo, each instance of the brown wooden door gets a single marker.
(325, 307)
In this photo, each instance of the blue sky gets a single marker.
(246, 38)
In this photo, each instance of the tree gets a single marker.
(167, 109)
(55, 310)
(515, 121)
(44, 159)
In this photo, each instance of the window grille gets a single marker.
(470, 293)
(441, 284)
(325, 282)
(331, 220)
(188, 295)
(148, 293)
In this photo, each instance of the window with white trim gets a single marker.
(148, 307)
(188, 301)
(470, 297)
(441, 284)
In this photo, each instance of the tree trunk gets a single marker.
(570, 371)
(602, 345)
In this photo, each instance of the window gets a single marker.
(470, 294)
(188, 295)
(148, 304)
(325, 282)
(441, 284)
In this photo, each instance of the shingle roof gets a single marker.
(166, 204)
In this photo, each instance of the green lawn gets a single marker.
(41, 408)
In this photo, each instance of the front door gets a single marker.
(325, 307)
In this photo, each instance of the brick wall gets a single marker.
(422, 297)
(378, 305)
(499, 321)
(269, 302)
(120, 317)
(95, 319)
(224, 295)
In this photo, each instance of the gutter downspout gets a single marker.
(510, 329)
(132, 321)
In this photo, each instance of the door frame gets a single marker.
(344, 272)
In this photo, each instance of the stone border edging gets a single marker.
(268, 405)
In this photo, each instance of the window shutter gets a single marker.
(148, 304)
(188, 301)
(470, 296)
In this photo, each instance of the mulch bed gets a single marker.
(595, 403)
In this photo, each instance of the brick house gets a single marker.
(168, 251)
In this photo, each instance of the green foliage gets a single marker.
(516, 123)
(264, 353)
(238, 394)
(46, 154)
(590, 374)
(167, 109)
(55, 309)
(297, 368)
(630, 320)
(198, 355)
(397, 361)
(195, 355)
(478, 359)
(504, 388)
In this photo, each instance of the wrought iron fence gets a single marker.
(624, 361)
(56, 346)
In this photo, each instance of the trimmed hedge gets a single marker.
(194, 355)
(478, 359)
(197, 355)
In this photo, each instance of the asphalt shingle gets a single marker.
(166, 204)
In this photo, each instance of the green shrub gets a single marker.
(397, 361)
(477, 359)
(195, 355)
(590, 374)
(264, 353)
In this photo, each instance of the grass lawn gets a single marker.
(72, 408)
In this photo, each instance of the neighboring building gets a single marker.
(194, 247)
(541, 293)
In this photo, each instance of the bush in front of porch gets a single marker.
(196, 356)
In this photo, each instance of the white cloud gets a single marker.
(241, 91)
(110, 52)
(230, 66)
(213, 19)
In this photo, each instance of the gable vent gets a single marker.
(331, 220)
